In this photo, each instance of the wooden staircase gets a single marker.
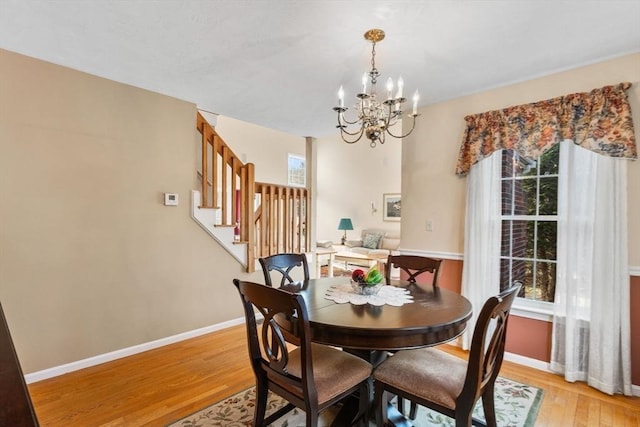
(266, 218)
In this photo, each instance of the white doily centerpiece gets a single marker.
(390, 295)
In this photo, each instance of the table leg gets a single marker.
(318, 265)
(330, 266)
(382, 265)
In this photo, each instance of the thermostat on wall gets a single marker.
(171, 199)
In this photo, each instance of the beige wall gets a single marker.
(92, 262)
(90, 259)
(261, 146)
(431, 190)
(350, 177)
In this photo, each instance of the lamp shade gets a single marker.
(345, 224)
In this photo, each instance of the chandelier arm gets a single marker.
(360, 132)
(410, 130)
(344, 120)
(342, 132)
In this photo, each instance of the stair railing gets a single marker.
(282, 219)
(268, 218)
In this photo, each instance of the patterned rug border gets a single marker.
(535, 407)
(534, 410)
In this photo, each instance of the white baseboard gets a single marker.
(108, 357)
(545, 366)
(527, 361)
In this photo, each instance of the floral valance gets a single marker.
(599, 121)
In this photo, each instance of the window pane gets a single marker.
(545, 281)
(548, 203)
(524, 166)
(524, 195)
(547, 238)
(550, 160)
(521, 239)
(505, 269)
(507, 196)
(505, 248)
(507, 163)
(522, 271)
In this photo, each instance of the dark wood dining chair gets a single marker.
(445, 383)
(283, 264)
(309, 376)
(414, 266)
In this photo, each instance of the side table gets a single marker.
(330, 252)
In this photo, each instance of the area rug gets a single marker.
(517, 405)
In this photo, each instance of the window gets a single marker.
(297, 174)
(530, 223)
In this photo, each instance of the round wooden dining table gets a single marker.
(435, 316)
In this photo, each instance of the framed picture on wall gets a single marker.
(391, 207)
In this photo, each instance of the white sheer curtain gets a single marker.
(483, 228)
(591, 328)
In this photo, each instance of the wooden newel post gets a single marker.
(247, 226)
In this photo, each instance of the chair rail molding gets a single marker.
(432, 254)
(634, 270)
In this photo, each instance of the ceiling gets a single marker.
(279, 63)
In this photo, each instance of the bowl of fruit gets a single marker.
(366, 283)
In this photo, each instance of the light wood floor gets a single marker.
(166, 384)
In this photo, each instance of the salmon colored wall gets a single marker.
(450, 275)
(529, 338)
(532, 338)
(635, 329)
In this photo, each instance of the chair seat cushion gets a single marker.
(334, 370)
(427, 373)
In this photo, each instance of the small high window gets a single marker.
(297, 174)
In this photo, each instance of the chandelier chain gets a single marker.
(373, 72)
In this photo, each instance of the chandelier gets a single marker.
(374, 117)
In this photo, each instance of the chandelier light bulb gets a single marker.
(364, 83)
(341, 97)
(389, 87)
(416, 97)
(400, 87)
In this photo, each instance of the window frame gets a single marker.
(538, 309)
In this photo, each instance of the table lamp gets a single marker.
(345, 224)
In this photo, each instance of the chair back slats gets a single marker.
(414, 266)
(270, 355)
(487, 345)
(274, 343)
(284, 264)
